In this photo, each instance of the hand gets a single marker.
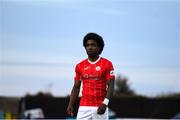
(101, 109)
(70, 110)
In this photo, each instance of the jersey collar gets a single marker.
(94, 61)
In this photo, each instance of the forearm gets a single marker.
(109, 94)
(110, 89)
(74, 95)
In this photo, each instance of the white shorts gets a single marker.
(89, 113)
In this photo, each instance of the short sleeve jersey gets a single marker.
(93, 76)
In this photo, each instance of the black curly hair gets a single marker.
(99, 40)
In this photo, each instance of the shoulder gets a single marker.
(81, 62)
(107, 63)
(106, 60)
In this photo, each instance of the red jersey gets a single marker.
(93, 76)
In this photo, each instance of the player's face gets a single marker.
(92, 48)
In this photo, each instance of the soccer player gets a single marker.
(97, 76)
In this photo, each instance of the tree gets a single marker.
(122, 87)
(40, 95)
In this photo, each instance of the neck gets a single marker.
(92, 59)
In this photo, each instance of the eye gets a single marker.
(94, 45)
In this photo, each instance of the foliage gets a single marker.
(122, 87)
(168, 95)
(40, 95)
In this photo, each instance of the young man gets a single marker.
(96, 74)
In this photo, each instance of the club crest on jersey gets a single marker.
(98, 68)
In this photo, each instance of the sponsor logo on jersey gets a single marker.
(91, 76)
(85, 75)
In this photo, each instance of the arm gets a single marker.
(110, 89)
(73, 97)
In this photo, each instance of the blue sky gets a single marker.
(41, 42)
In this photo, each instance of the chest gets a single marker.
(93, 71)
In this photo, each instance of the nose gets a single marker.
(89, 48)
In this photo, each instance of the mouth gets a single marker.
(90, 52)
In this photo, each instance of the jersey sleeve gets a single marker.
(110, 72)
(77, 73)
